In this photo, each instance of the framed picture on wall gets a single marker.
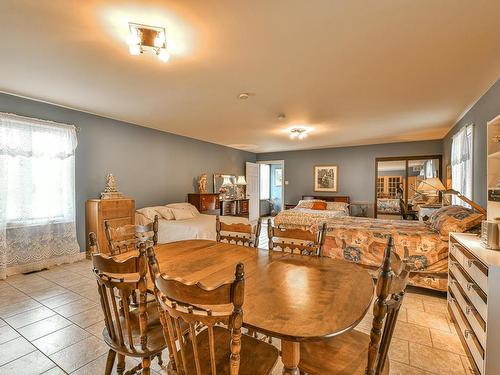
(326, 178)
(278, 177)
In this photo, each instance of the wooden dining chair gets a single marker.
(238, 233)
(134, 332)
(127, 238)
(356, 352)
(210, 347)
(296, 240)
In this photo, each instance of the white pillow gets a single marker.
(308, 203)
(165, 212)
(184, 206)
(182, 214)
(148, 212)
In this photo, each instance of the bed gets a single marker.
(423, 245)
(388, 206)
(305, 213)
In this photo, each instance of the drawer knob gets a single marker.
(451, 300)
(453, 263)
(471, 286)
(469, 309)
(470, 262)
(467, 333)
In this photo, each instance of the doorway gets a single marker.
(271, 187)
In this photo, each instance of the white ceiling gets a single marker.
(355, 71)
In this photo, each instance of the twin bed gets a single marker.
(363, 240)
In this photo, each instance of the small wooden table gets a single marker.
(291, 297)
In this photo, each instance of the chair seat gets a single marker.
(156, 341)
(256, 357)
(346, 354)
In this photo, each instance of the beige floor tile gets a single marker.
(2, 323)
(97, 366)
(413, 332)
(44, 327)
(14, 349)
(428, 319)
(61, 339)
(69, 282)
(75, 307)
(436, 306)
(96, 329)
(47, 293)
(33, 363)
(54, 371)
(18, 307)
(77, 355)
(413, 302)
(89, 317)
(446, 341)
(397, 368)
(7, 333)
(28, 317)
(435, 360)
(61, 299)
(399, 351)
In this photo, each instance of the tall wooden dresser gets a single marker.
(117, 211)
(474, 300)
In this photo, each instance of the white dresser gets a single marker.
(474, 300)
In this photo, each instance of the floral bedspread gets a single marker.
(306, 217)
(363, 240)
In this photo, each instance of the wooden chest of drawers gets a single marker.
(117, 211)
(474, 300)
(205, 203)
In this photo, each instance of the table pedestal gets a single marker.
(290, 355)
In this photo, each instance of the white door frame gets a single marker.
(282, 162)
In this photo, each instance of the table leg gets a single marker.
(290, 355)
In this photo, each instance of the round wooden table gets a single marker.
(288, 296)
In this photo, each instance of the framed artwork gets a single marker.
(326, 178)
(278, 177)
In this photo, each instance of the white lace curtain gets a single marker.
(37, 194)
(461, 163)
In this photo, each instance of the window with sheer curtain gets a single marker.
(37, 193)
(265, 179)
(461, 163)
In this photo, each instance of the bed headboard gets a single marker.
(328, 198)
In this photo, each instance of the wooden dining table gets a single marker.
(290, 297)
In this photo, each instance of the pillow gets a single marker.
(182, 214)
(184, 206)
(454, 219)
(319, 206)
(165, 212)
(308, 203)
(148, 212)
(338, 206)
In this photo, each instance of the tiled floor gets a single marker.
(51, 323)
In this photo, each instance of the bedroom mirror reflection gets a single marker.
(402, 187)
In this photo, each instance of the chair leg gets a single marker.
(120, 367)
(160, 360)
(110, 362)
(146, 363)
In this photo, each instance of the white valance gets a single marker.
(22, 136)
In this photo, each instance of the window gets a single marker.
(265, 179)
(37, 162)
(461, 163)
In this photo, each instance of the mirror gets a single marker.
(225, 185)
(403, 185)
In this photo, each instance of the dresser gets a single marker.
(234, 207)
(207, 203)
(474, 300)
(117, 212)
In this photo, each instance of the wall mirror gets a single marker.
(403, 185)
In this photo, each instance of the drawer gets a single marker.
(476, 322)
(472, 291)
(471, 265)
(474, 347)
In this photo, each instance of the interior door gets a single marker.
(252, 175)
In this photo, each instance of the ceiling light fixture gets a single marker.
(143, 38)
(299, 133)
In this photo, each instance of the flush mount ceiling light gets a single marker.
(143, 38)
(299, 133)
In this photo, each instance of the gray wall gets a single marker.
(485, 109)
(356, 167)
(151, 166)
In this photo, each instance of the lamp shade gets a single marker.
(226, 182)
(241, 180)
(431, 184)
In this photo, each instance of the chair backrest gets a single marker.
(403, 209)
(117, 281)
(391, 285)
(238, 233)
(127, 237)
(198, 307)
(299, 241)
